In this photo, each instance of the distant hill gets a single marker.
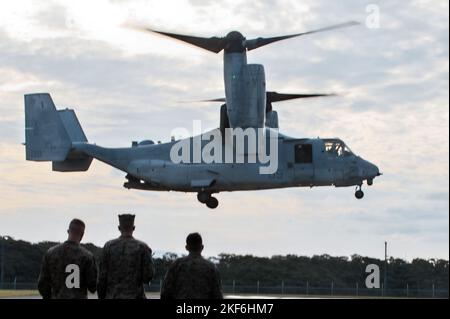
(22, 262)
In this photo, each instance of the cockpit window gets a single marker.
(337, 148)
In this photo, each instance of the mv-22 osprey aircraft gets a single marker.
(56, 135)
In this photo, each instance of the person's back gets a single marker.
(68, 271)
(126, 265)
(192, 277)
(124, 268)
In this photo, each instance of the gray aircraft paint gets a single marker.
(57, 136)
(245, 91)
(152, 169)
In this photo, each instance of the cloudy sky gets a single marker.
(126, 85)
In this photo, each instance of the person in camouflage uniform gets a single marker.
(126, 265)
(68, 270)
(192, 277)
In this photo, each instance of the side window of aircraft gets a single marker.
(303, 153)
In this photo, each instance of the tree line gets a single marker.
(22, 260)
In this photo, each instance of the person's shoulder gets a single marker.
(208, 263)
(180, 260)
(54, 249)
(141, 244)
(85, 252)
(198, 259)
(111, 242)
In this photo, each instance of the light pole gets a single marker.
(385, 266)
(2, 265)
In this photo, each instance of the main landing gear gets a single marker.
(359, 193)
(207, 199)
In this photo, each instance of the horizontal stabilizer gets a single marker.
(80, 164)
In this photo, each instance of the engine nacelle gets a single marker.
(247, 104)
(272, 119)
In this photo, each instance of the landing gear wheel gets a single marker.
(212, 202)
(203, 197)
(359, 194)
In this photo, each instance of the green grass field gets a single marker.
(5, 293)
(9, 293)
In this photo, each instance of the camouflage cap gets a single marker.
(126, 220)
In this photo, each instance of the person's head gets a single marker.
(194, 243)
(126, 224)
(76, 230)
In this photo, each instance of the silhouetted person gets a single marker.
(192, 277)
(68, 270)
(126, 265)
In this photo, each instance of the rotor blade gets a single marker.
(278, 97)
(222, 99)
(213, 44)
(203, 101)
(259, 42)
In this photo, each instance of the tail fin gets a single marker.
(49, 134)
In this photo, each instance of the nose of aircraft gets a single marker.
(373, 170)
(369, 171)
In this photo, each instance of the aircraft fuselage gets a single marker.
(299, 162)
